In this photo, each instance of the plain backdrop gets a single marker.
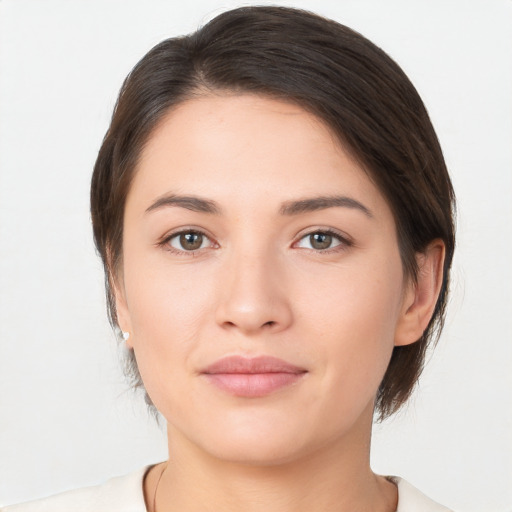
(67, 418)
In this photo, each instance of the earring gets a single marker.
(126, 335)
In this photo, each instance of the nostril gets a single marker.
(269, 324)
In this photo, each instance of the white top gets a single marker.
(125, 494)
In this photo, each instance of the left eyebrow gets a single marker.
(322, 203)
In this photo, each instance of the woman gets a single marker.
(274, 215)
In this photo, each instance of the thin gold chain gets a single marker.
(156, 488)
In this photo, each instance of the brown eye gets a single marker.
(188, 241)
(320, 240)
(191, 241)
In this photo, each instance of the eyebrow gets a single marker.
(198, 204)
(322, 203)
(193, 203)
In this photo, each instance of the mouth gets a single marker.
(252, 377)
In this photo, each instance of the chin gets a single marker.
(255, 451)
(268, 439)
(264, 439)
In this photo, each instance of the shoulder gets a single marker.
(119, 494)
(411, 499)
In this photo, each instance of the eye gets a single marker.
(189, 241)
(322, 241)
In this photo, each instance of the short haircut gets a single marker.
(331, 71)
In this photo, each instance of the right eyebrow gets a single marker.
(193, 203)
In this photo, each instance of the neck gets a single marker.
(336, 477)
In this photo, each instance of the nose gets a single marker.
(254, 296)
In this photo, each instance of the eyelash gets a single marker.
(344, 241)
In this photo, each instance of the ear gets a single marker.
(122, 312)
(420, 297)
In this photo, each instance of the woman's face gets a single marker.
(262, 284)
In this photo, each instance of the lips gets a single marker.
(252, 377)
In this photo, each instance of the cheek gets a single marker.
(362, 302)
(163, 297)
(167, 307)
(352, 320)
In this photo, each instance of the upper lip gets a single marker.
(247, 365)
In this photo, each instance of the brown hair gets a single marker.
(331, 71)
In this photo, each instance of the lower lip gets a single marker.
(253, 385)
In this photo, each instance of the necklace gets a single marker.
(156, 488)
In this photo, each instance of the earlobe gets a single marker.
(421, 296)
(123, 317)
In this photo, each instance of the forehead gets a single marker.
(247, 148)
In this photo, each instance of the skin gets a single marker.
(258, 285)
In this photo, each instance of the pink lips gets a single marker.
(252, 377)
